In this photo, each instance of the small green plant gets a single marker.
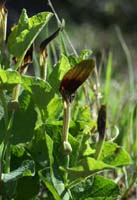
(46, 152)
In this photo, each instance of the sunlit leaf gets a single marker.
(96, 188)
(86, 167)
(115, 155)
(58, 71)
(9, 78)
(24, 34)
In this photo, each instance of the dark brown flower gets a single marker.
(75, 77)
(101, 121)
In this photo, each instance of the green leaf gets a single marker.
(9, 78)
(24, 34)
(75, 145)
(115, 155)
(49, 143)
(46, 178)
(58, 71)
(26, 169)
(27, 188)
(60, 186)
(96, 188)
(54, 184)
(85, 54)
(86, 167)
(36, 86)
(39, 90)
(85, 148)
(29, 83)
(38, 147)
(18, 155)
(83, 114)
(54, 108)
(24, 120)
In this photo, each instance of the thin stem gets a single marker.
(70, 43)
(96, 91)
(8, 125)
(65, 33)
(128, 57)
(129, 186)
(126, 178)
(66, 145)
(7, 144)
(3, 101)
(3, 25)
(66, 121)
(63, 45)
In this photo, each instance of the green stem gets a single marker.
(96, 91)
(63, 45)
(99, 147)
(3, 26)
(7, 144)
(66, 145)
(5, 157)
(65, 33)
(129, 60)
(66, 165)
(66, 120)
(3, 101)
(129, 187)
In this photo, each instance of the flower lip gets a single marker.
(75, 77)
